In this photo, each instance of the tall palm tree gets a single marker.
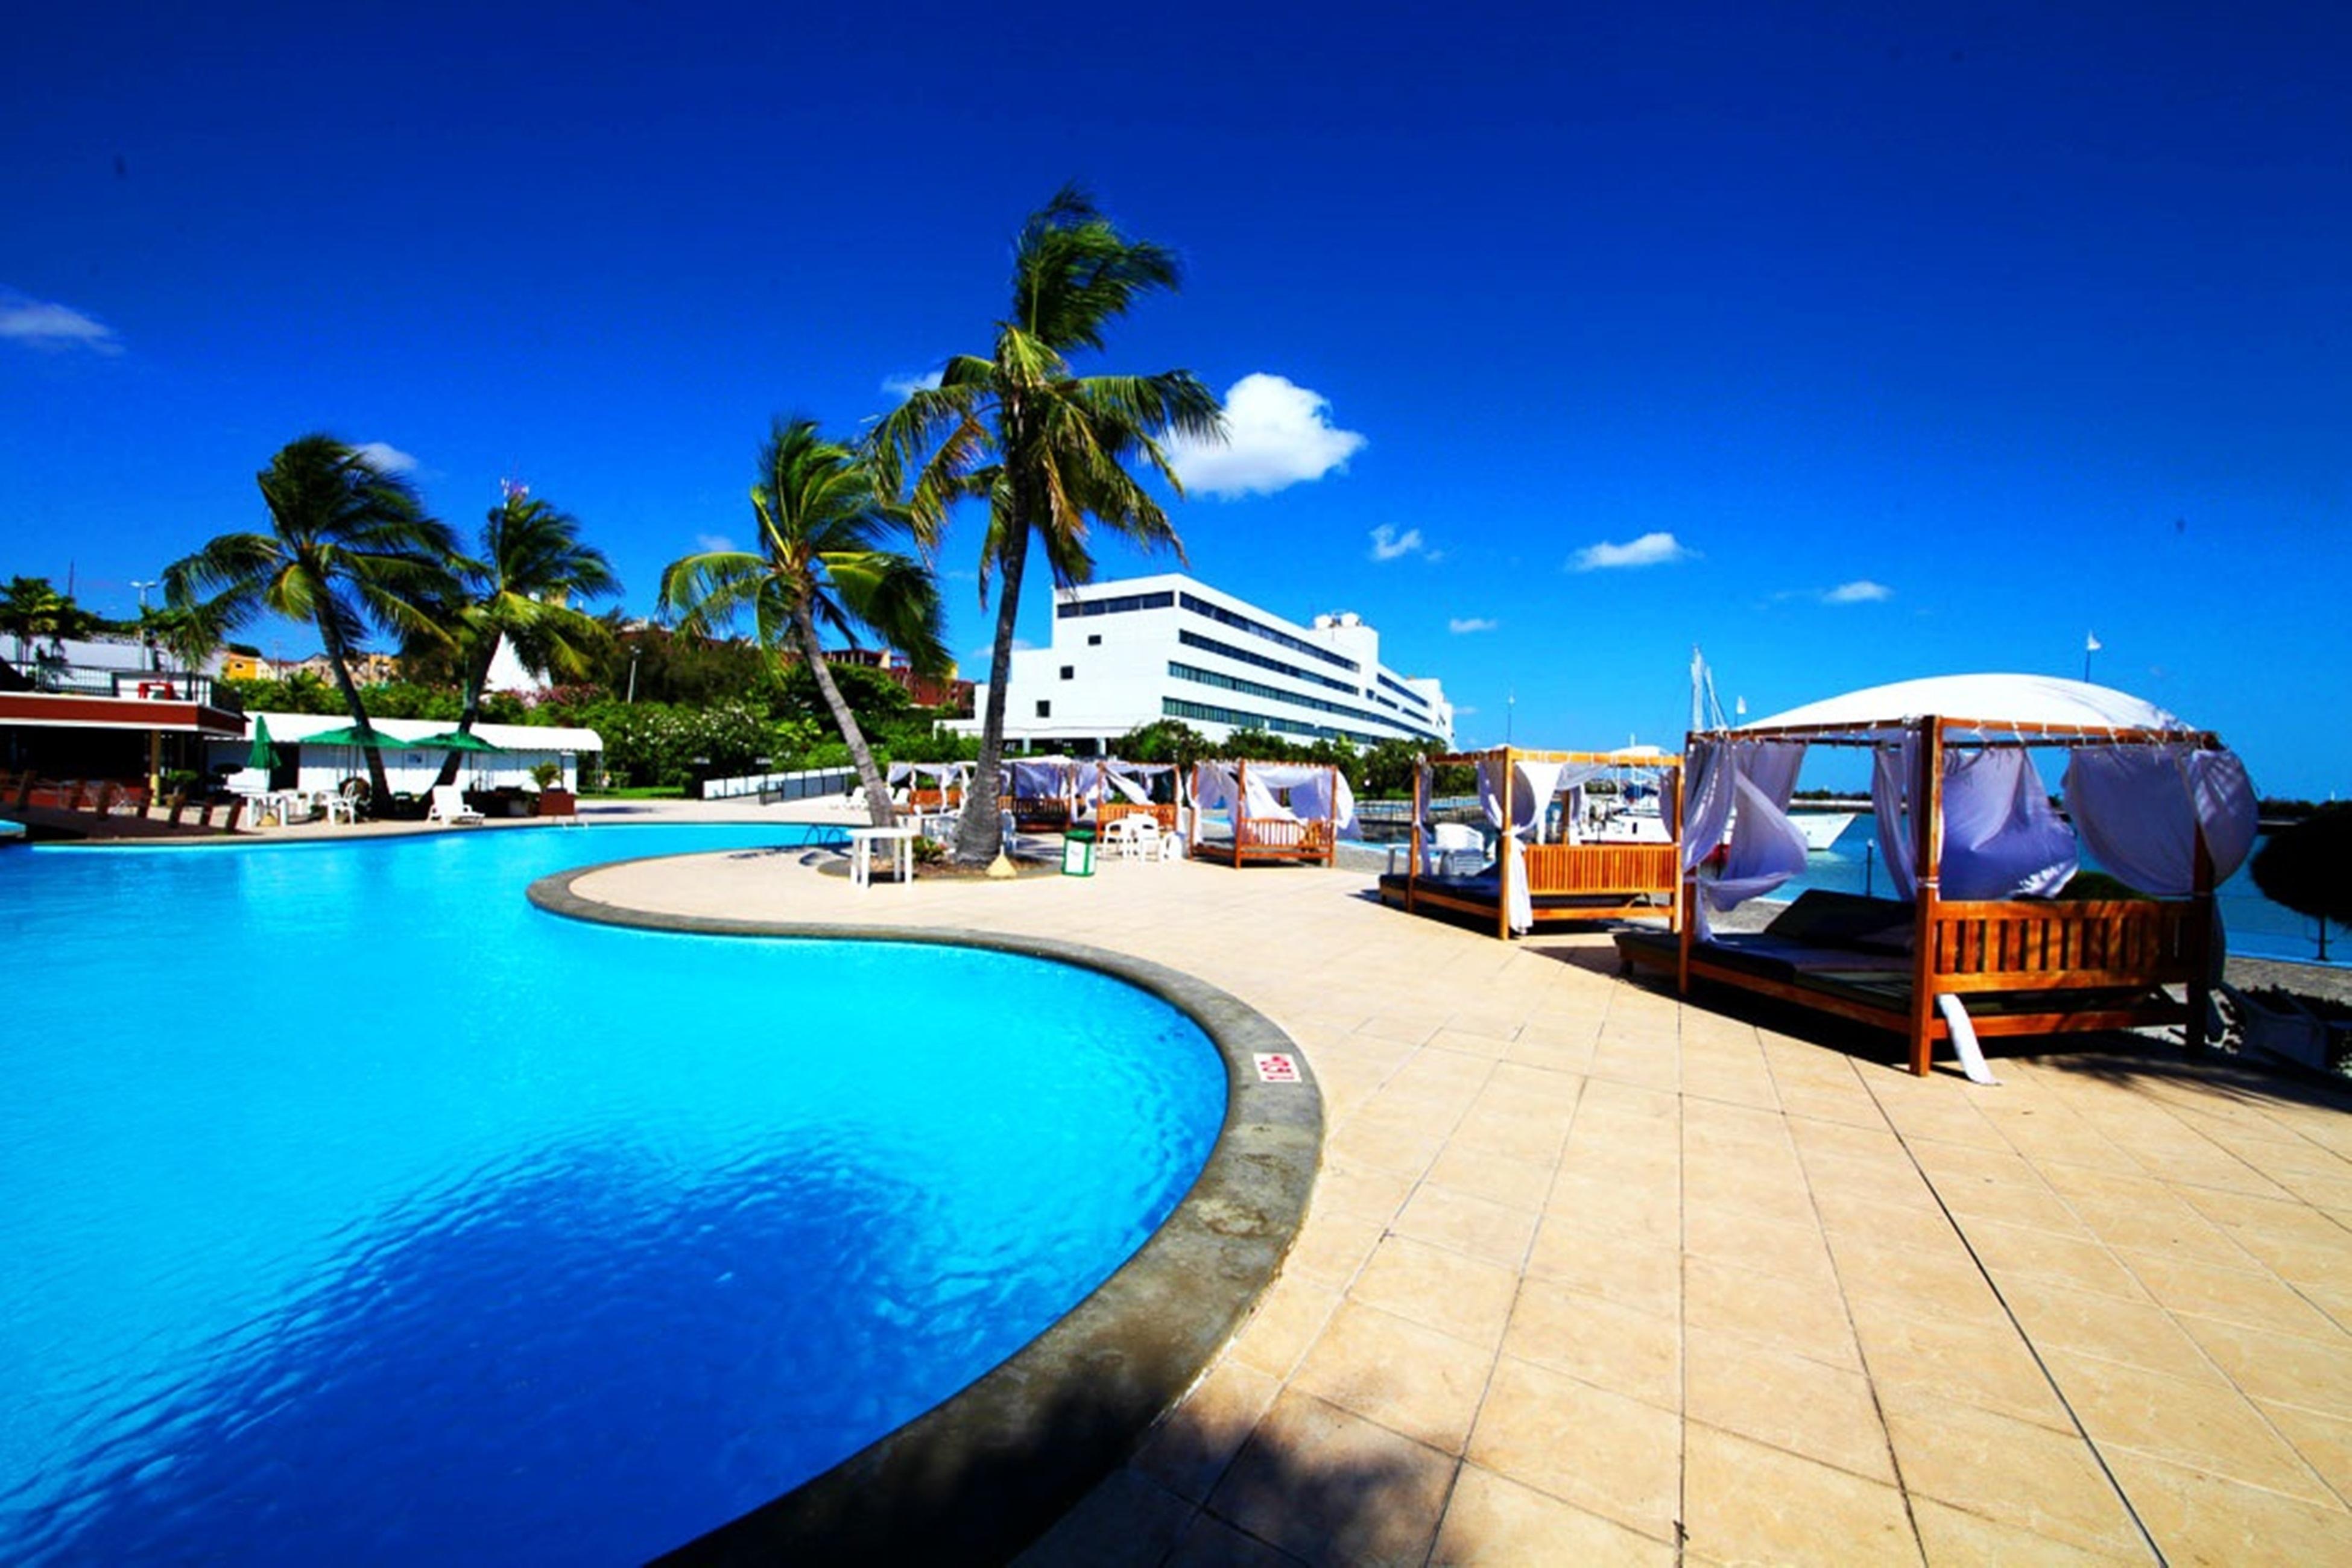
(349, 548)
(533, 564)
(1045, 449)
(821, 563)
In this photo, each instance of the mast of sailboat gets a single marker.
(1706, 710)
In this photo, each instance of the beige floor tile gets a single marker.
(1288, 1318)
(1461, 1222)
(1800, 1317)
(2035, 1205)
(2204, 1522)
(1360, 1190)
(1498, 1178)
(1496, 1522)
(1602, 1452)
(2254, 1298)
(1330, 1249)
(1754, 1241)
(1650, 1211)
(1534, 1134)
(1983, 1363)
(1329, 1486)
(1941, 1277)
(2138, 1333)
(2016, 1254)
(1860, 1209)
(1614, 1347)
(1953, 1538)
(1384, 1143)
(1631, 1271)
(2200, 1425)
(2324, 1439)
(1745, 1502)
(1409, 1378)
(2013, 1471)
(1438, 1289)
(2314, 1373)
(1210, 1542)
(1125, 1522)
(1774, 1189)
(1192, 1447)
(1787, 1401)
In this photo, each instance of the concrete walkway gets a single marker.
(1592, 1277)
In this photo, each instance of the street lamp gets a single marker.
(146, 633)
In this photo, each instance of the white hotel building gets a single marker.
(1126, 654)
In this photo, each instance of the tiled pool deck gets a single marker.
(1592, 1277)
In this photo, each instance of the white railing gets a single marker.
(772, 787)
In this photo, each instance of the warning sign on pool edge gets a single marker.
(1273, 1067)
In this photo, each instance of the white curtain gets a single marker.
(2138, 809)
(1767, 848)
(1322, 794)
(1511, 858)
(1706, 803)
(1257, 796)
(2001, 839)
(1894, 769)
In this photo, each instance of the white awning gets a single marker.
(1992, 699)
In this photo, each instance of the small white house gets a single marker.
(409, 771)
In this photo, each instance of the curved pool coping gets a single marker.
(976, 1478)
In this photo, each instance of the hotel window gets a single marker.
(1044, 710)
(1069, 671)
(1094, 639)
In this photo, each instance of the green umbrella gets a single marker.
(263, 754)
(350, 735)
(455, 741)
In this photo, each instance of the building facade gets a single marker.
(1128, 653)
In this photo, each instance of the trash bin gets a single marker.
(1078, 852)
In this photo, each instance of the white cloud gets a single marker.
(387, 457)
(1862, 591)
(1387, 545)
(44, 324)
(1462, 712)
(900, 386)
(1650, 550)
(1462, 624)
(1277, 435)
(713, 542)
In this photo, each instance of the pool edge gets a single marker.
(977, 1476)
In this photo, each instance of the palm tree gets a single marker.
(31, 609)
(533, 564)
(349, 547)
(820, 563)
(1047, 450)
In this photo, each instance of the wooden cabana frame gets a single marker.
(1566, 882)
(2022, 967)
(1266, 840)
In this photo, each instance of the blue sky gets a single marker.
(1851, 343)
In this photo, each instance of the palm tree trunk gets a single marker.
(379, 782)
(980, 834)
(466, 717)
(878, 793)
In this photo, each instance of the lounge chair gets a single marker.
(450, 806)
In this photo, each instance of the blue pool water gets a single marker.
(355, 1211)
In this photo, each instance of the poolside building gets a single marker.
(1129, 653)
(305, 765)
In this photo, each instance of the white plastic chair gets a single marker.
(450, 806)
(1142, 840)
(1448, 839)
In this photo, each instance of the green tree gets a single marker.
(350, 550)
(821, 563)
(1046, 450)
(31, 609)
(2308, 868)
(532, 567)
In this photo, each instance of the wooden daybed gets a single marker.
(2008, 966)
(1242, 840)
(1597, 881)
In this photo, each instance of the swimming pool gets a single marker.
(358, 1212)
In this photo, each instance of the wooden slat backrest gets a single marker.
(1601, 868)
(1110, 811)
(2033, 945)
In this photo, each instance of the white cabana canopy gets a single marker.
(2009, 702)
(2144, 789)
